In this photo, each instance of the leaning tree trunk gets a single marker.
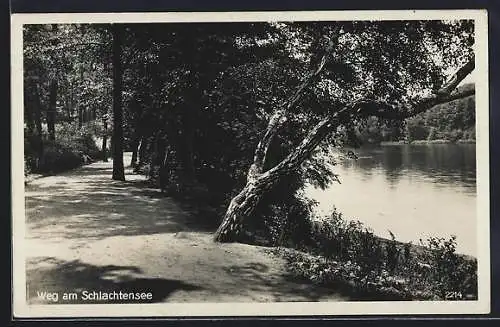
(118, 168)
(242, 205)
(259, 181)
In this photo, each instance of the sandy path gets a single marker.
(87, 232)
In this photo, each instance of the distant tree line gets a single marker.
(447, 122)
(453, 121)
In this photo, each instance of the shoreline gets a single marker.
(397, 271)
(427, 142)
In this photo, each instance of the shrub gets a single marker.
(70, 149)
(287, 224)
(57, 158)
(451, 273)
(29, 155)
(347, 254)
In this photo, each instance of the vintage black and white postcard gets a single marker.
(250, 163)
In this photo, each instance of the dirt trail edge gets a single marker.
(85, 232)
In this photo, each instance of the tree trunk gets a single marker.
(118, 168)
(187, 150)
(51, 112)
(79, 101)
(164, 173)
(133, 161)
(72, 101)
(104, 150)
(69, 102)
(29, 103)
(135, 150)
(243, 204)
(38, 125)
(240, 208)
(155, 159)
(141, 151)
(80, 115)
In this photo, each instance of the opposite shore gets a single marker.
(419, 142)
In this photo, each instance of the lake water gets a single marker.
(415, 191)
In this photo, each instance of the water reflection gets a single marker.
(439, 163)
(415, 191)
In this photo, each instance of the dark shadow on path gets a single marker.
(48, 274)
(283, 287)
(287, 287)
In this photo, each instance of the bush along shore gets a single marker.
(346, 255)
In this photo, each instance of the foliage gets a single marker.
(450, 272)
(344, 253)
(74, 148)
(283, 216)
(449, 122)
(74, 58)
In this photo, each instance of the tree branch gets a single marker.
(313, 138)
(326, 125)
(66, 47)
(445, 94)
(279, 116)
(456, 78)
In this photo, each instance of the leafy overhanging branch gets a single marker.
(360, 108)
(367, 108)
(445, 94)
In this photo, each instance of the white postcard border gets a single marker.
(482, 305)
